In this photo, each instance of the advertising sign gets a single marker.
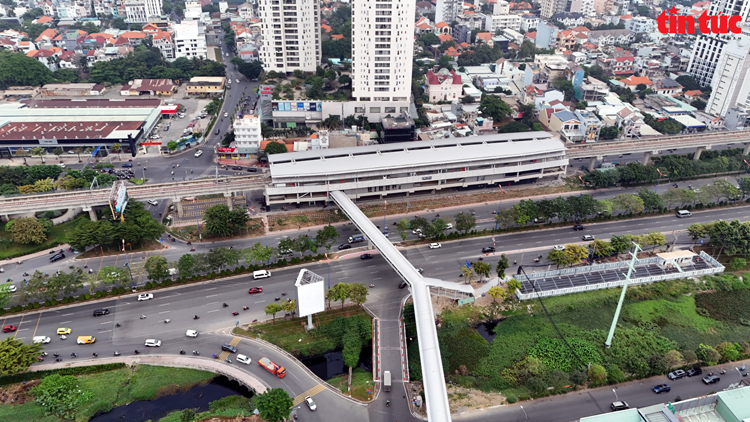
(265, 91)
(118, 200)
(223, 150)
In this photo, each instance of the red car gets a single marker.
(255, 290)
(9, 328)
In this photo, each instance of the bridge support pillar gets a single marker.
(230, 203)
(180, 210)
(4, 218)
(92, 213)
(699, 151)
(746, 150)
(592, 163)
(646, 158)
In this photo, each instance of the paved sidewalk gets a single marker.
(64, 247)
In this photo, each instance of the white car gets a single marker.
(152, 342)
(226, 114)
(310, 403)
(416, 231)
(152, 202)
(191, 333)
(559, 247)
(62, 165)
(435, 246)
(41, 339)
(198, 153)
(244, 359)
(449, 226)
(155, 137)
(11, 288)
(145, 296)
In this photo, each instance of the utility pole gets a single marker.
(631, 268)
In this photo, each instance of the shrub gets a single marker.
(511, 399)
(148, 285)
(615, 374)
(737, 264)
(87, 296)
(47, 303)
(707, 354)
(53, 302)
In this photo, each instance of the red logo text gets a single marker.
(707, 24)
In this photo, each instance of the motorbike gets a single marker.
(182, 352)
(255, 320)
(283, 293)
(235, 313)
(167, 321)
(58, 359)
(196, 317)
(195, 352)
(372, 285)
(117, 324)
(224, 305)
(190, 243)
(137, 352)
(57, 355)
(73, 355)
(245, 308)
(229, 360)
(63, 337)
(192, 249)
(96, 355)
(143, 316)
(117, 353)
(277, 299)
(723, 371)
(387, 403)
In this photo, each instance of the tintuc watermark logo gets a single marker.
(707, 24)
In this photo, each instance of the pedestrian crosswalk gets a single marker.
(235, 341)
(311, 392)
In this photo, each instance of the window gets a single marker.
(390, 109)
(359, 109)
(374, 109)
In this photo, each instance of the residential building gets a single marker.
(472, 20)
(247, 134)
(447, 10)
(206, 85)
(550, 7)
(190, 40)
(375, 171)
(529, 22)
(444, 85)
(462, 34)
(398, 129)
(568, 125)
(611, 36)
(731, 81)
(591, 89)
(290, 42)
(546, 35)
(590, 125)
(149, 87)
(584, 7)
(667, 86)
(245, 10)
(632, 82)
(138, 11)
(602, 7)
(382, 51)
(500, 22)
(569, 19)
(707, 48)
(630, 122)
(641, 25)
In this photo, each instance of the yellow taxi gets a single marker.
(86, 339)
(63, 331)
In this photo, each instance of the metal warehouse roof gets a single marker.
(408, 155)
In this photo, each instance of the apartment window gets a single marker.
(359, 109)
(390, 109)
(374, 109)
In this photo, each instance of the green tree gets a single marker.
(436, 228)
(274, 405)
(403, 228)
(17, 356)
(339, 292)
(597, 374)
(601, 248)
(651, 200)
(493, 106)
(482, 269)
(464, 222)
(327, 236)
(218, 221)
(273, 309)
(16, 69)
(497, 292)
(274, 147)
(729, 352)
(5, 295)
(112, 276)
(609, 132)
(260, 253)
(358, 293)
(28, 230)
(628, 203)
(172, 146)
(157, 268)
(467, 273)
(186, 266)
(187, 415)
(60, 395)
(502, 265)
(513, 286)
(707, 354)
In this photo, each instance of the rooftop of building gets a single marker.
(94, 103)
(397, 123)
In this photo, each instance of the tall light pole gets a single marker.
(524, 412)
(498, 205)
(657, 180)
(742, 182)
(385, 207)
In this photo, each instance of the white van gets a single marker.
(261, 274)
(683, 214)
(41, 339)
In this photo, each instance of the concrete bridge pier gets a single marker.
(230, 203)
(746, 150)
(5, 218)
(180, 210)
(647, 157)
(593, 161)
(92, 213)
(699, 151)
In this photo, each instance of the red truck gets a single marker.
(277, 370)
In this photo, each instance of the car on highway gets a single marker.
(588, 237)
(9, 328)
(449, 226)
(402, 285)
(310, 403)
(226, 114)
(435, 246)
(41, 339)
(152, 202)
(198, 153)
(145, 296)
(619, 405)
(662, 388)
(191, 333)
(365, 256)
(254, 290)
(244, 359)
(711, 379)
(86, 340)
(578, 227)
(101, 312)
(676, 374)
(488, 249)
(127, 165)
(236, 167)
(559, 247)
(229, 348)
(416, 231)
(344, 246)
(64, 331)
(57, 257)
(152, 342)
(693, 372)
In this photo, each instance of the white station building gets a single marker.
(377, 171)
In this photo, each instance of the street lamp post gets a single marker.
(200, 237)
(657, 180)
(615, 391)
(498, 205)
(524, 412)
(742, 182)
(385, 206)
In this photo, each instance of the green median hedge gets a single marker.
(78, 370)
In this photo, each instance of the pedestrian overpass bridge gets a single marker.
(436, 394)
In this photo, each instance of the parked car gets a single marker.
(676, 374)
(488, 249)
(693, 372)
(365, 256)
(662, 388)
(711, 379)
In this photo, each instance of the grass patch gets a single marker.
(290, 335)
(227, 407)
(662, 312)
(728, 306)
(57, 236)
(138, 180)
(363, 388)
(115, 388)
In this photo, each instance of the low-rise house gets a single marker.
(632, 82)
(630, 121)
(445, 85)
(570, 19)
(591, 89)
(608, 37)
(667, 86)
(568, 125)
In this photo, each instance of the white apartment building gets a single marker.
(500, 22)
(138, 11)
(708, 48)
(189, 40)
(382, 50)
(247, 134)
(731, 82)
(640, 25)
(291, 35)
(193, 10)
(529, 22)
(447, 10)
(550, 7)
(245, 10)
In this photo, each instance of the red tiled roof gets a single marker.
(337, 36)
(445, 37)
(436, 79)
(531, 35)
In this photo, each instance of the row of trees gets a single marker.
(463, 223)
(148, 63)
(572, 254)
(27, 230)
(137, 228)
(732, 238)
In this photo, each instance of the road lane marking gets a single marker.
(374, 272)
(22, 329)
(106, 331)
(65, 322)
(165, 304)
(370, 266)
(212, 296)
(66, 314)
(212, 288)
(103, 323)
(215, 310)
(379, 278)
(164, 312)
(211, 303)
(260, 301)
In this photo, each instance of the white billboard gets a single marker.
(118, 199)
(311, 293)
